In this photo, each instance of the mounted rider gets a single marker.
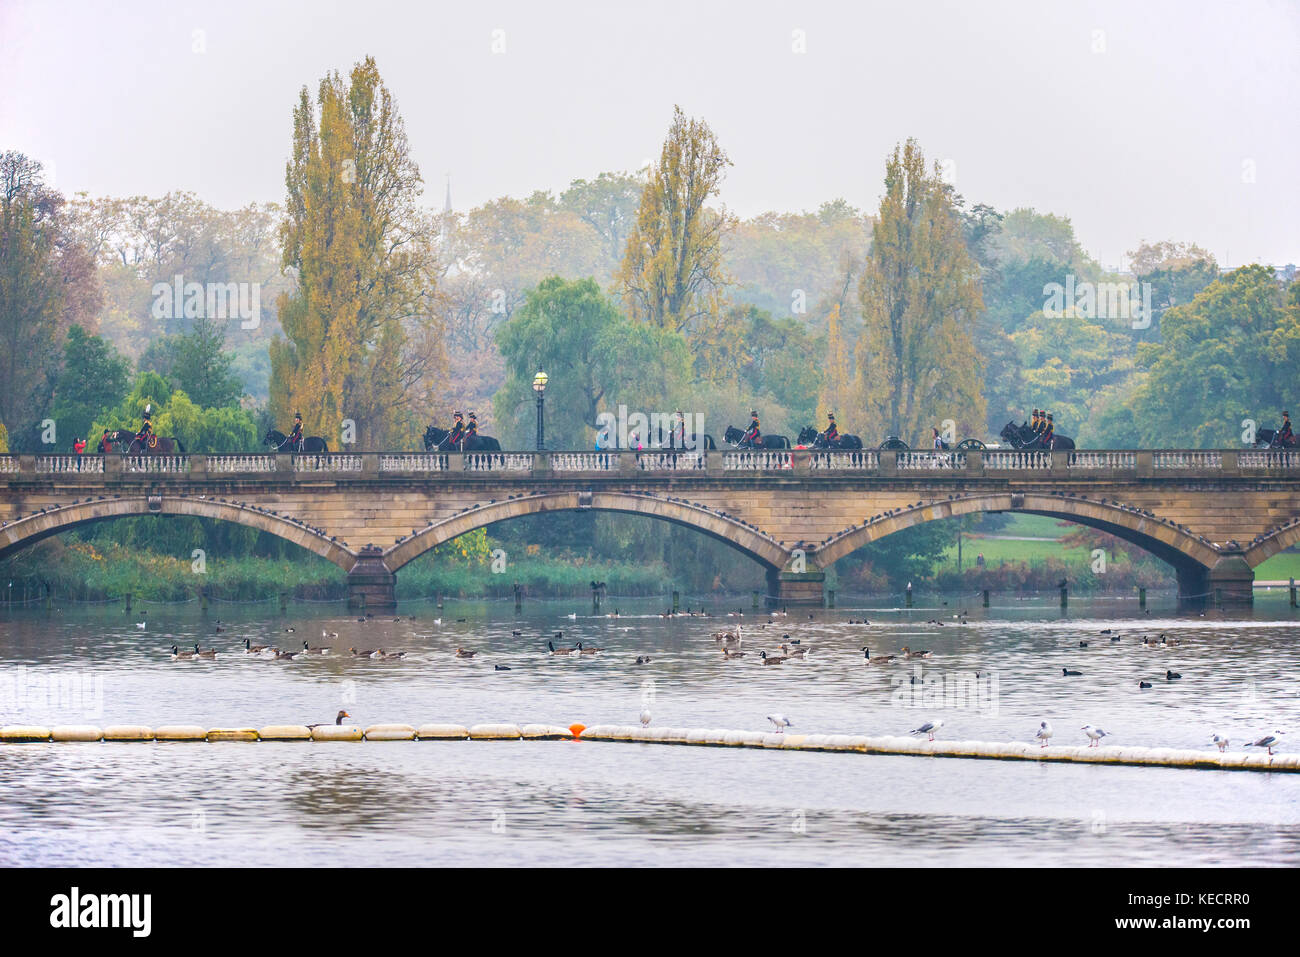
(753, 436)
(295, 440)
(677, 440)
(1049, 432)
(1284, 435)
(146, 426)
(832, 432)
(471, 430)
(453, 439)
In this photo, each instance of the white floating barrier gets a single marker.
(495, 732)
(544, 732)
(128, 732)
(441, 732)
(76, 732)
(181, 732)
(284, 732)
(19, 733)
(390, 732)
(232, 734)
(337, 732)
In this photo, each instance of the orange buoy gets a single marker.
(577, 730)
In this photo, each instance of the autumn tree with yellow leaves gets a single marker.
(360, 335)
(672, 274)
(920, 293)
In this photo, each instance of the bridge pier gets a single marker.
(1230, 582)
(370, 584)
(795, 588)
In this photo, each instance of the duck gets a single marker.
(360, 654)
(588, 651)
(290, 631)
(140, 624)
(794, 652)
(338, 719)
(558, 651)
(388, 655)
(285, 655)
(1172, 676)
(781, 722)
(1094, 734)
(1044, 733)
(500, 667)
(205, 653)
(178, 655)
(771, 660)
(1144, 684)
(251, 649)
(909, 653)
(879, 660)
(731, 653)
(642, 660)
(1083, 644)
(329, 635)
(462, 653)
(314, 650)
(1067, 673)
(929, 728)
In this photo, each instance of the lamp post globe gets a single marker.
(539, 386)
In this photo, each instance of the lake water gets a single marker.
(575, 803)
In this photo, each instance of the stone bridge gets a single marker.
(1212, 515)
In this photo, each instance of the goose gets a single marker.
(732, 653)
(1220, 742)
(929, 728)
(588, 651)
(558, 651)
(178, 655)
(251, 649)
(205, 653)
(1044, 733)
(314, 649)
(770, 660)
(1172, 676)
(1144, 684)
(338, 719)
(1094, 734)
(360, 654)
(1148, 643)
(909, 653)
(1268, 742)
(1170, 642)
(1067, 673)
(794, 652)
(781, 722)
(879, 660)
(462, 653)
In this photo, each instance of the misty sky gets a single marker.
(1136, 119)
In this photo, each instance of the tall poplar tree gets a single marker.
(360, 341)
(920, 294)
(672, 274)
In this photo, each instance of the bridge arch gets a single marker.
(1270, 545)
(27, 531)
(759, 546)
(1186, 552)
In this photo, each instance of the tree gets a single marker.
(200, 429)
(672, 275)
(93, 380)
(608, 204)
(595, 357)
(197, 362)
(360, 334)
(47, 284)
(920, 296)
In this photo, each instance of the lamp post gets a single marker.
(539, 386)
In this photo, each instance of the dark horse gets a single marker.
(669, 439)
(1270, 439)
(435, 440)
(733, 436)
(129, 443)
(810, 438)
(310, 443)
(1023, 437)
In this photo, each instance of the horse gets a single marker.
(311, 443)
(810, 438)
(119, 440)
(435, 439)
(1023, 437)
(733, 436)
(668, 439)
(1270, 439)
(153, 445)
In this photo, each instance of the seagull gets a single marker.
(781, 722)
(1267, 742)
(1220, 741)
(645, 717)
(141, 624)
(1044, 733)
(929, 728)
(1095, 734)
